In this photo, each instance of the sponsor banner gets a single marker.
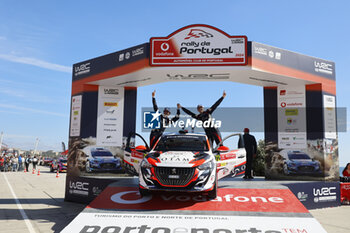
(293, 60)
(330, 120)
(345, 193)
(84, 190)
(75, 120)
(197, 45)
(250, 200)
(110, 116)
(156, 223)
(222, 118)
(291, 117)
(110, 61)
(315, 195)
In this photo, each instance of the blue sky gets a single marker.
(40, 40)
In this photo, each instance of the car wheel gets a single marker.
(144, 192)
(213, 193)
(87, 166)
(285, 170)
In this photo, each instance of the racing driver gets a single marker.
(212, 133)
(164, 121)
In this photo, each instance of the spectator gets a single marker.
(2, 161)
(27, 162)
(346, 171)
(20, 163)
(14, 163)
(7, 163)
(35, 162)
(250, 148)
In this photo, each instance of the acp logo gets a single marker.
(198, 33)
(151, 120)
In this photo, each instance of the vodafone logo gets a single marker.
(283, 104)
(164, 47)
(122, 198)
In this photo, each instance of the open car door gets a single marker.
(134, 155)
(230, 161)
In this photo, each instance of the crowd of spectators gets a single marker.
(16, 163)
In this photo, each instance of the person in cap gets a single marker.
(251, 149)
(212, 133)
(164, 120)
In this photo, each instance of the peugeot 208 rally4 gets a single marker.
(179, 162)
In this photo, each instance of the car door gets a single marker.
(231, 156)
(133, 155)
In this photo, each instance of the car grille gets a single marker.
(184, 175)
(306, 168)
(107, 165)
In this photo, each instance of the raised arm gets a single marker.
(154, 102)
(177, 116)
(217, 103)
(187, 111)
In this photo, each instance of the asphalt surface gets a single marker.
(35, 203)
(32, 203)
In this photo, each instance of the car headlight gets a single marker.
(145, 164)
(95, 161)
(206, 166)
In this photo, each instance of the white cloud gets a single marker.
(36, 62)
(9, 106)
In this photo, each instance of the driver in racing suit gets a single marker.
(212, 133)
(164, 121)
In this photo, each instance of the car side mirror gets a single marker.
(222, 149)
(141, 149)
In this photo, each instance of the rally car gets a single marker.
(182, 162)
(299, 163)
(59, 165)
(100, 159)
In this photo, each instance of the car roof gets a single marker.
(184, 134)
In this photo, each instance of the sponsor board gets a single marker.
(291, 117)
(110, 116)
(316, 195)
(330, 121)
(198, 45)
(292, 60)
(165, 223)
(83, 189)
(75, 120)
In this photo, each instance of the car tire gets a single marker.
(214, 193)
(144, 192)
(87, 167)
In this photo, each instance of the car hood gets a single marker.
(105, 158)
(179, 159)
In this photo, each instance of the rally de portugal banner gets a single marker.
(153, 223)
(197, 45)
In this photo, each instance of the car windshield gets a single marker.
(182, 143)
(298, 156)
(63, 160)
(100, 153)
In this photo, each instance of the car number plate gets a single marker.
(174, 176)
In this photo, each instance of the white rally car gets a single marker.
(183, 162)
